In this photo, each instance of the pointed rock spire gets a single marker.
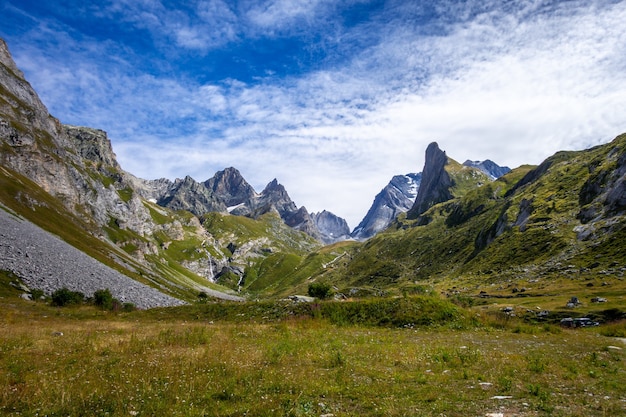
(436, 183)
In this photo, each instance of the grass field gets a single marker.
(182, 362)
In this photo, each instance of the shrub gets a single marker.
(103, 299)
(320, 290)
(63, 297)
(202, 296)
(37, 294)
(128, 307)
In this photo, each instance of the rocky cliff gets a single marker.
(397, 197)
(67, 180)
(436, 182)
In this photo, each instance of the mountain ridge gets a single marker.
(565, 216)
(67, 180)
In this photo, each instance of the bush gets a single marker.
(320, 290)
(37, 294)
(202, 296)
(128, 307)
(103, 299)
(63, 297)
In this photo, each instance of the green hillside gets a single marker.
(553, 231)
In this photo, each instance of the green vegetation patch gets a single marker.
(162, 363)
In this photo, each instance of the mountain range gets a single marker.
(475, 223)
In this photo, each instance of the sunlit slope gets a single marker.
(564, 218)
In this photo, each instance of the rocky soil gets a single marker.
(43, 261)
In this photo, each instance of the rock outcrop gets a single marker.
(436, 182)
(604, 193)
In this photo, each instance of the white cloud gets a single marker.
(280, 14)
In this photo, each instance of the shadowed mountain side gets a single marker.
(436, 183)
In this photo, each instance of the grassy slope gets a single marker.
(278, 250)
(198, 360)
(27, 199)
(544, 258)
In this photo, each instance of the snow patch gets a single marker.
(231, 208)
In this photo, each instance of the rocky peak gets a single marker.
(331, 227)
(230, 187)
(188, 194)
(397, 197)
(276, 196)
(488, 167)
(436, 182)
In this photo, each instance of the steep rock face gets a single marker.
(75, 164)
(188, 194)
(92, 145)
(20, 102)
(231, 188)
(275, 197)
(397, 197)
(436, 182)
(331, 227)
(488, 167)
(33, 141)
(604, 192)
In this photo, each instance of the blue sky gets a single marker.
(332, 98)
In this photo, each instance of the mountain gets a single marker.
(67, 181)
(560, 225)
(188, 194)
(488, 167)
(331, 227)
(228, 192)
(397, 197)
(400, 194)
(229, 187)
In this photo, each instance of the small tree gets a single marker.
(63, 297)
(320, 290)
(103, 299)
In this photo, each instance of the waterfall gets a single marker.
(211, 272)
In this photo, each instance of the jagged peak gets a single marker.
(488, 167)
(274, 188)
(273, 184)
(436, 182)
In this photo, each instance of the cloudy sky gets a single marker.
(330, 97)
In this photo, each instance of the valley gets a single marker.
(447, 299)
